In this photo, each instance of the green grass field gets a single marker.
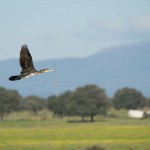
(56, 134)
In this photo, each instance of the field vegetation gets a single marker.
(27, 131)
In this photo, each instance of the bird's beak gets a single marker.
(49, 70)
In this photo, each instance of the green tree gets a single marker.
(129, 98)
(148, 102)
(57, 104)
(89, 100)
(9, 101)
(33, 103)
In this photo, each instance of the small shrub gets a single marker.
(95, 148)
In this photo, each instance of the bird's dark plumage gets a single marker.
(14, 78)
(27, 66)
(25, 59)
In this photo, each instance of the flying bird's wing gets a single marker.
(25, 59)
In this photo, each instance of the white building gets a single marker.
(136, 113)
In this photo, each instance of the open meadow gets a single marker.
(23, 131)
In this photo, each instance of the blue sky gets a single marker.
(70, 28)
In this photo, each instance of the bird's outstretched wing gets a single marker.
(25, 59)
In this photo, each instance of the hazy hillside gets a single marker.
(111, 69)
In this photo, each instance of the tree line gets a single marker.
(89, 100)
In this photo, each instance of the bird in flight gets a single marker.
(27, 66)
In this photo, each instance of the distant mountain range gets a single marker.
(111, 69)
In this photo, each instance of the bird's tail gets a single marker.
(14, 78)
